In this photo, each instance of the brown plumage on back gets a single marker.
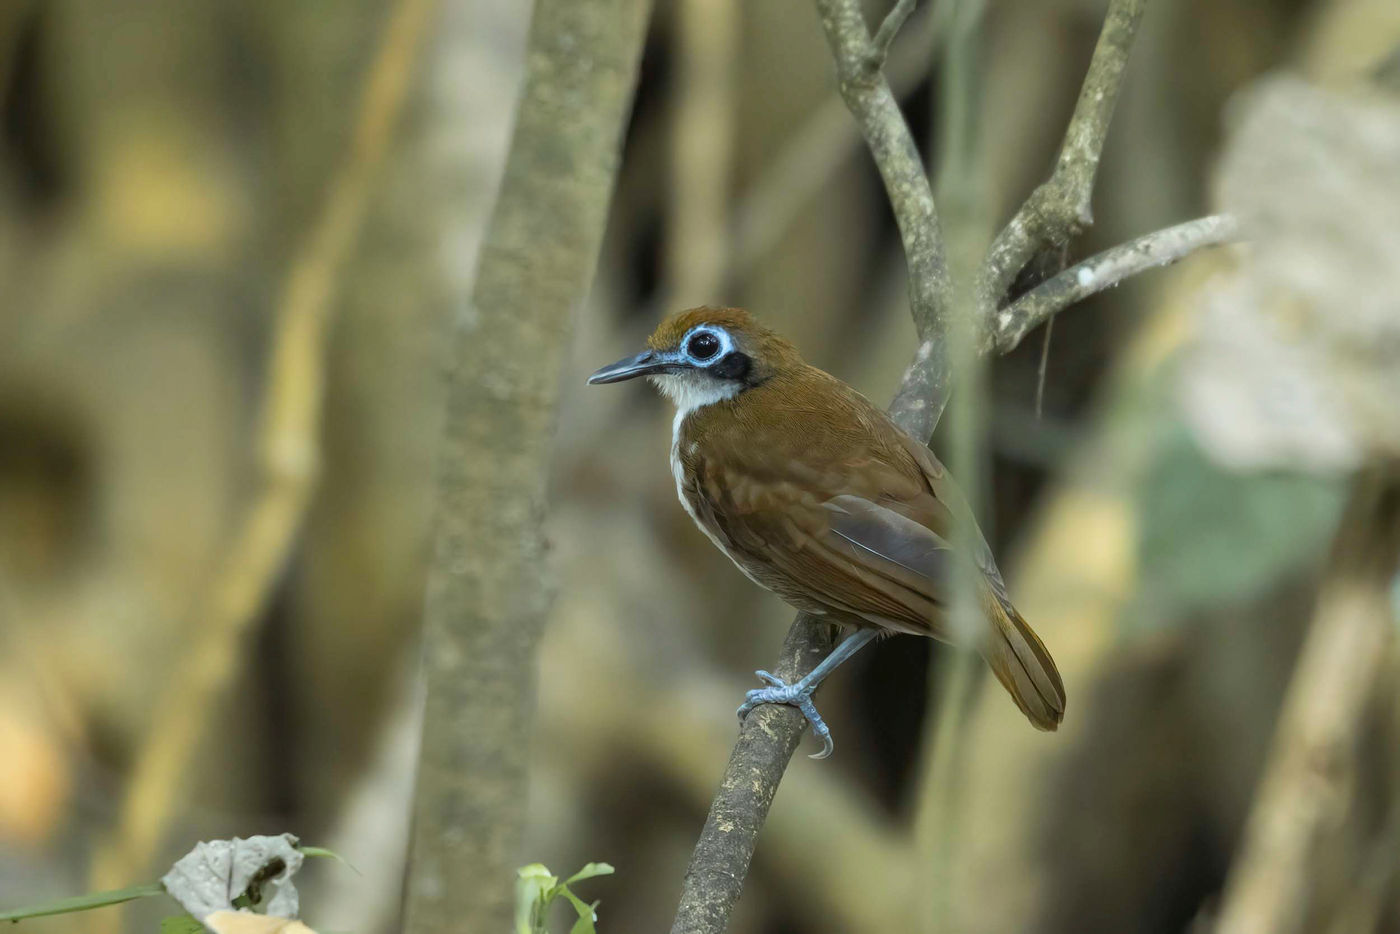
(817, 495)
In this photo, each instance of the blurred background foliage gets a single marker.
(160, 162)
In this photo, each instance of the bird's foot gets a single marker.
(798, 695)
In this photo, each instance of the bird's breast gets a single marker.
(687, 487)
(686, 455)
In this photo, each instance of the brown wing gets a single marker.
(834, 502)
(834, 506)
(958, 512)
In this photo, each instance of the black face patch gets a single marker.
(733, 365)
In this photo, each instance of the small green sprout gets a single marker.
(536, 889)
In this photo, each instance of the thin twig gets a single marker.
(287, 448)
(889, 28)
(1060, 209)
(1043, 369)
(771, 733)
(962, 190)
(1103, 271)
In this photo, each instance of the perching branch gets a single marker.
(1102, 271)
(1054, 214)
(1060, 209)
(767, 740)
(770, 734)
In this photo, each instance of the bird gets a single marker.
(818, 496)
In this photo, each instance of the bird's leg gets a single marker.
(799, 694)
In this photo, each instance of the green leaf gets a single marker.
(320, 852)
(181, 924)
(586, 914)
(1210, 537)
(84, 902)
(534, 889)
(589, 871)
(535, 871)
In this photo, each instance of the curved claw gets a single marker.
(819, 728)
(756, 697)
(780, 692)
(770, 678)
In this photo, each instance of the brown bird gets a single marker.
(818, 496)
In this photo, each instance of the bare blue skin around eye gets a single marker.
(726, 344)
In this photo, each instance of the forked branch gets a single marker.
(890, 27)
(1103, 271)
(770, 734)
(1060, 209)
(1055, 213)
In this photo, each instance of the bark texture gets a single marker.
(486, 599)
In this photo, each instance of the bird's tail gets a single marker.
(1019, 660)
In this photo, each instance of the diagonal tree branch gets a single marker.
(767, 740)
(867, 94)
(1103, 271)
(770, 734)
(1054, 214)
(1060, 209)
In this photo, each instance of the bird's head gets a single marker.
(705, 355)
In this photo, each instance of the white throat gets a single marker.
(691, 391)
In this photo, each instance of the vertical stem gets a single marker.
(962, 192)
(486, 600)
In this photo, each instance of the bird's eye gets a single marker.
(703, 346)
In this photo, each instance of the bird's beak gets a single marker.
(643, 364)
